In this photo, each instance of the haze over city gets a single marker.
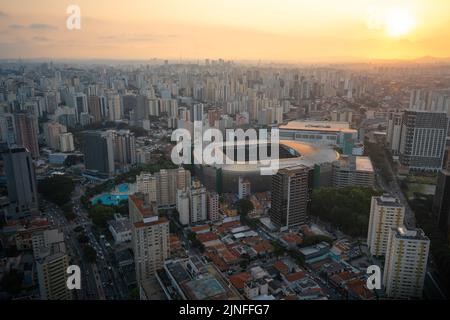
(268, 30)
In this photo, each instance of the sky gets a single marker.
(267, 30)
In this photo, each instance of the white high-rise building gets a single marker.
(197, 197)
(386, 212)
(66, 142)
(406, 263)
(183, 207)
(244, 188)
(394, 131)
(192, 204)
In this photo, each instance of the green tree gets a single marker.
(12, 282)
(101, 214)
(57, 189)
(244, 206)
(90, 254)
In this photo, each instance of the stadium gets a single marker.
(225, 177)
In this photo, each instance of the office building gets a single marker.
(441, 201)
(150, 237)
(27, 132)
(291, 196)
(423, 140)
(354, 171)
(394, 130)
(406, 263)
(20, 180)
(98, 149)
(95, 108)
(386, 212)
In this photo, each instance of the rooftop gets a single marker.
(331, 126)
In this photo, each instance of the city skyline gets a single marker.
(292, 31)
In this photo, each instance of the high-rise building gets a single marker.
(27, 132)
(291, 196)
(98, 149)
(94, 104)
(114, 107)
(197, 112)
(170, 181)
(163, 185)
(124, 148)
(192, 204)
(213, 206)
(197, 197)
(423, 140)
(66, 142)
(386, 212)
(7, 129)
(52, 132)
(150, 237)
(406, 263)
(51, 264)
(394, 131)
(20, 180)
(244, 188)
(146, 183)
(441, 201)
(353, 171)
(42, 240)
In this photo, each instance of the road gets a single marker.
(102, 279)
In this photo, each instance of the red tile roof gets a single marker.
(239, 280)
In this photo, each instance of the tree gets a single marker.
(57, 189)
(101, 214)
(347, 208)
(12, 282)
(82, 239)
(244, 206)
(90, 254)
(68, 211)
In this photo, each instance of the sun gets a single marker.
(399, 22)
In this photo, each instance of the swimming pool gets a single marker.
(120, 193)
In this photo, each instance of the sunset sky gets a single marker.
(273, 30)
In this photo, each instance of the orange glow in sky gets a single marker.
(275, 30)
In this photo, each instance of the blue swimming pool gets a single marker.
(123, 187)
(109, 199)
(114, 198)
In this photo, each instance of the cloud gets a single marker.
(3, 14)
(138, 38)
(16, 26)
(41, 26)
